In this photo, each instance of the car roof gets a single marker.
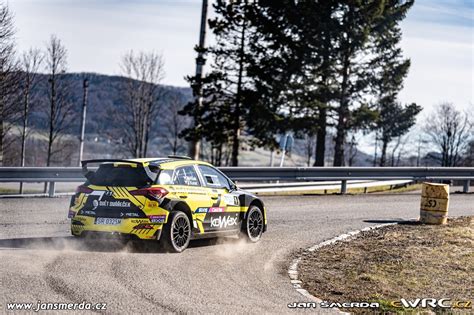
(169, 163)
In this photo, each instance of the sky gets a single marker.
(438, 37)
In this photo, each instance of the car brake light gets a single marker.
(83, 189)
(154, 193)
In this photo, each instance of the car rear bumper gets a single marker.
(85, 226)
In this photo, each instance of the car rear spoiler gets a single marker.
(150, 174)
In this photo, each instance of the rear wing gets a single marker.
(145, 165)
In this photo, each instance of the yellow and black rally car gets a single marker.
(173, 200)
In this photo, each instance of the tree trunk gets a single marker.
(383, 154)
(1, 127)
(343, 111)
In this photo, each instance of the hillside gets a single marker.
(103, 133)
(105, 96)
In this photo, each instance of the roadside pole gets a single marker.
(283, 150)
(285, 146)
(85, 86)
(195, 144)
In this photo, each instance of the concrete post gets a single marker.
(466, 185)
(52, 188)
(343, 187)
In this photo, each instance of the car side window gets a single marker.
(165, 177)
(186, 176)
(213, 178)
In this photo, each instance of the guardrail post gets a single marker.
(52, 187)
(343, 186)
(466, 185)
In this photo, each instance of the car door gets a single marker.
(224, 213)
(188, 187)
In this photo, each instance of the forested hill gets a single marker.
(105, 97)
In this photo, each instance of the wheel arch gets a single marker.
(259, 203)
(183, 207)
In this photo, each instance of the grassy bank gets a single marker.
(402, 261)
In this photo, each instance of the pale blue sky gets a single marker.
(438, 37)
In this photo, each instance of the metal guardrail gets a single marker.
(264, 174)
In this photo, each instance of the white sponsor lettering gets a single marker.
(221, 222)
(424, 303)
(106, 203)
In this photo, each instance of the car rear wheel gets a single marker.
(252, 228)
(177, 232)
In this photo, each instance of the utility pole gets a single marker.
(194, 145)
(237, 114)
(85, 86)
(26, 105)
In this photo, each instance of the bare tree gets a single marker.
(29, 64)
(144, 71)
(449, 131)
(175, 124)
(309, 143)
(468, 159)
(398, 149)
(8, 76)
(60, 108)
(352, 150)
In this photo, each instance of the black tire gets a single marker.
(176, 232)
(252, 227)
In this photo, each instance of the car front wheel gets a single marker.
(253, 225)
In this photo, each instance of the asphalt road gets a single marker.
(40, 261)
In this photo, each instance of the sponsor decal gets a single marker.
(231, 200)
(114, 204)
(216, 209)
(139, 220)
(152, 204)
(157, 218)
(88, 212)
(71, 214)
(130, 214)
(224, 221)
(210, 210)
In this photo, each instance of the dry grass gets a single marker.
(403, 261)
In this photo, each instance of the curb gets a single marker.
(293, 269)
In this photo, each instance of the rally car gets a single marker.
(172, 200)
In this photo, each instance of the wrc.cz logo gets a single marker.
(430, 302)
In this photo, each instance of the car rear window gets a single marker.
(111, 174)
